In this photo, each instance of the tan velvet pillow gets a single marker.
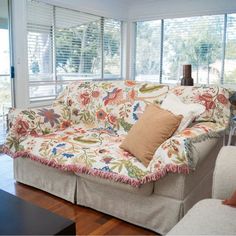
(154, 127)
(231, 201)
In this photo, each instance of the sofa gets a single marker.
(220, 218)
(72, 150)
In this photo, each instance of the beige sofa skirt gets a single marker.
(157, 206)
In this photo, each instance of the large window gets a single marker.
(66, 45)
(206, 42)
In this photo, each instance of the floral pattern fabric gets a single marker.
(84, 128)
(214, 98)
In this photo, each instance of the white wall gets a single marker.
(161, 9)
(20, 53)
(107, 8)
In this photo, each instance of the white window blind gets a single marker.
(66, 45)
(196, 41)
(206, 42)
(40, 51)
(78, 45)
(112, 48)
(148, 50)
(230, 51)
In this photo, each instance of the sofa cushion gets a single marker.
(154, 127)
(189, 111)
(214, 98)
(207, 217)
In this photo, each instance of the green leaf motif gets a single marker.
(148, 89)
(126, 126)
(88, 141)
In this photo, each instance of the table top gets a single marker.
(20, 217)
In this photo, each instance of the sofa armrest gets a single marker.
(224, 179)
(179, 149)
(35, 122)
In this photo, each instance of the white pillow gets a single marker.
(189, 111)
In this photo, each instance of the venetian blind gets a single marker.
(112, 48)
(148, 50)
(78, 44)
(230, 50)
(66, 45)
(40, 51)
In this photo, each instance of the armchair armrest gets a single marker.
(224, 178)
(35, 122)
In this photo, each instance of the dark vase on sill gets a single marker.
(187, 79)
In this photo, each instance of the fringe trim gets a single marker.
(200, 138)
(203, 137)
(106, 175)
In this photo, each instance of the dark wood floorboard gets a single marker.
(88, 221)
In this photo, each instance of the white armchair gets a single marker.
(210, 216)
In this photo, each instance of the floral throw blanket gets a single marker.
(84, 128)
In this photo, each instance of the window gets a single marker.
(230, 51)
(66, 45)
(206, 42)
(148, 50)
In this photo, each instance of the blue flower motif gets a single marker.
(106, 169)
(61, 145)
(136, 107)
(135, 117)
(67, 155)
(54, 151)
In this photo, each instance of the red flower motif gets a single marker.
(206, 97)
(95, 94)
(33, 133)
(186, 132)
(66, 124)
(107, 160)
(132, 94)
(21, 127)
(113, 97)
(85, 97)
(222, 99)
(112, 119)
(101, 114)
(210, 105)
(130, 83)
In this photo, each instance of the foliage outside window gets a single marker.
(66, 45)
(206, 42)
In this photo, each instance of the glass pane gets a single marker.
(230, 53)
(43, 91)
(78, 45)
(5, 81)
(148, 47)
(112, 48)
(40, 55)
(5, 104)
(4, 36)
(196, 41)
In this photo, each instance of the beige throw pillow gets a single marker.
(154, 127)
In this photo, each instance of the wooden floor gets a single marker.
(88, 221)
